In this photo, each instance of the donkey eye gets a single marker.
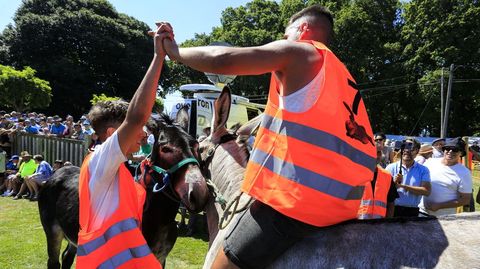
(167, 150)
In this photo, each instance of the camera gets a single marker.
(402, 145)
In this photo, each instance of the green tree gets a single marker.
(102, 97)
(82, 47)
(22, 90)
(435, 35)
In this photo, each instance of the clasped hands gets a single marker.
(164, 40)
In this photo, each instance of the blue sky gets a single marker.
(186, 16)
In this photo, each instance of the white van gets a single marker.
(199, 98)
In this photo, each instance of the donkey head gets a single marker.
(223, 157)
(174, 158)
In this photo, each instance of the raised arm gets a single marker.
(291, 61)
(140, 106)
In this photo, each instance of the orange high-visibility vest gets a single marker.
(312, 166)
(374, 205)
(119, 243)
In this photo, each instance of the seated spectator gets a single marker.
(387, 152)
(10, 174)
(20, 125)
(451, 181)
(57, 164)
(5, 123)
(42, 174)
(57, 128)
(69, 118)
(87, 129)
(424, 154)
(43, 123)
(14, 116)
(78, 132)
(45, 131)
(68, 132)
(27, 168)
(31, 126)
(437, 145)
(50, 121)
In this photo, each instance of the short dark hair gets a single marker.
(381, 134)
(38, 158)
(105, 114)
(318, 13)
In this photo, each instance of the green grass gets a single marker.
(23, 243)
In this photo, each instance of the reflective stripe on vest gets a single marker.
(374, 204)
(117, 228)
(377, 203)
(119, 241)
(125, 256)
(370, 216)
(318, 138)
(306, 177)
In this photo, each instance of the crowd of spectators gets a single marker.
(430, 179)
(23, 176)
(40, 124)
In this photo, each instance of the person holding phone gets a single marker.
(411, 179)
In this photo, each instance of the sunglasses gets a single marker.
(378, 139)
(453, 149)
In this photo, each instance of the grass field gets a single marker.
(23, 244)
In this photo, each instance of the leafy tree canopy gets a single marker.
(22, 90)
(82, 47)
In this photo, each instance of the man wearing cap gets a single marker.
(437, 145)
(411, 179)
(31, 126)
(451, 181)
(57, 128)
(87, 128)
(27, 168)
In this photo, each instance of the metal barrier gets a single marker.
(52, 148)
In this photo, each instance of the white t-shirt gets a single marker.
(446, 182)
(103, 185)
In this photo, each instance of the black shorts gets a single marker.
(261, 235)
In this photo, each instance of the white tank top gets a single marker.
(303, 99)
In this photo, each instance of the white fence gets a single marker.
(52, 148)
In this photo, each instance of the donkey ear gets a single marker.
(182, 118)
(222, 109)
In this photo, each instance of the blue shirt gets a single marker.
(44, 171)
(32, 129)
(58, 130)
(414, 176)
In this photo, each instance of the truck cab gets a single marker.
(199, 98)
